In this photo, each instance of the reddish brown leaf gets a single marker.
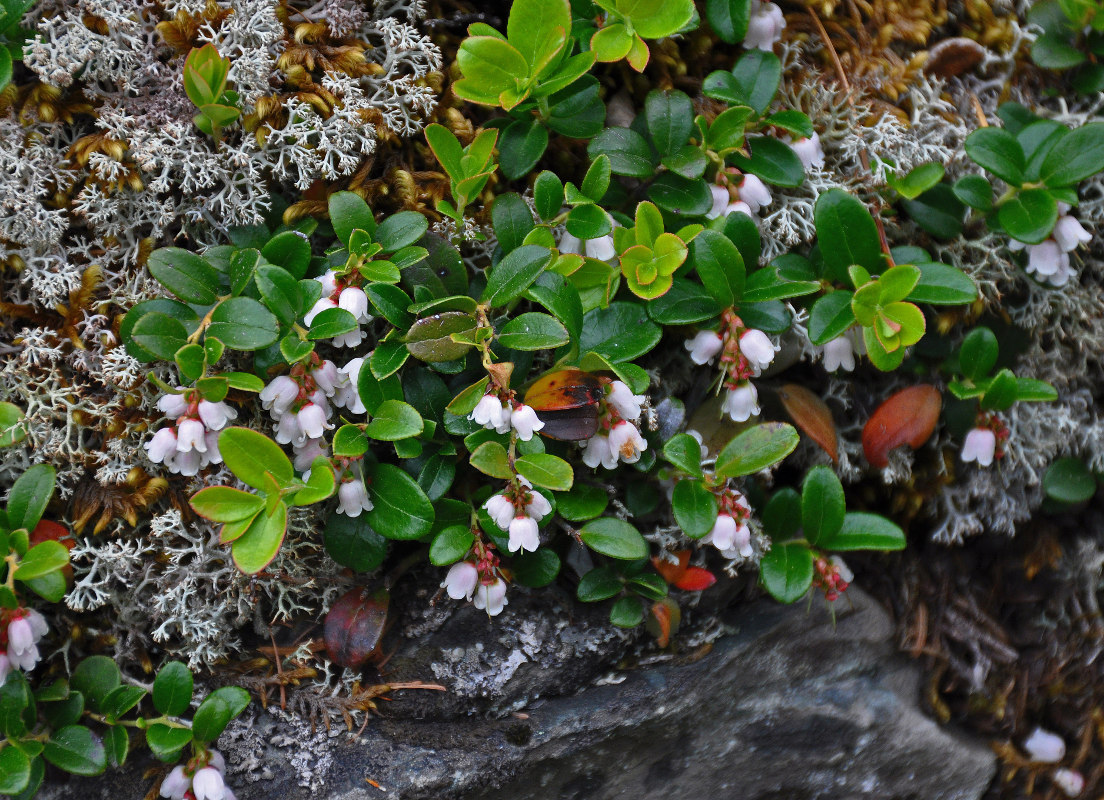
(952, 57)
(908, 417)
(663, 620)
(354, 626)
(812, 416)
(672, 572)
(696, 579)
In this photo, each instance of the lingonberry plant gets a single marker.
(578, 344)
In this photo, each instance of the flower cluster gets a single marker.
(518, 510)
(985, 441)
(478, 581)
(1049, 261)
(737, 192)
(191, 443)
(498, 414)
(202, 778)
(833, 576)
(20, 631)
(731, 533)
(337, 292)
(745, 352)
(301, 403)
(618, 437)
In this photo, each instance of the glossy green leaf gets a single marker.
(394, 420)
(997, 150)
(756, 449)
(786, 571)
(614, 538)
(29, 496)
(249, 455)
(1029, 216)
(862, 531)
(216, 711)
(533, 331)
(515, 273)
(546, 471)
(694, 507)
(1068, 480)
(255, 549)
(185, 274)
(77, 750)
(400, 509)
(822, 504)
(172, 689)
(353, 543)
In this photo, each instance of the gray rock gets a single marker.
(788, 708)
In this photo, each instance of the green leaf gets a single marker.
(1054, 51)
(584, 501)
(533, 331)
(670, 118)
(786, 571)
(627, 612)
(391, 302)
(5, 79)
(782, 514)
(15, 766)
(12, 430)
(225, 504)
(94, 678)
(862, 531)
(401, 230)
(756, 449)
(1077, 156)
(846, 234)
(349, 212)
(520, 147)
(537, 569)
(394, 420)
(50, 587)
(243, 324)
(599, 584)
(941, 284)
(512, 220)
(978, 354)
(159, 335)
(974, 191)
(614, 538)
(1029, 216)
(185, 274)
(280, 291)
(597, 179)
(822, 504)
(76, 749)
(29, 496)
(165, 742)
(719, 266)
(753, 81)
(997, 150)
(938, 211)
(216, 711)
(172, 689)
(1068, 480)
(729, 18)
(685, 303)
(546, 471)
(680, 195)
(43, 558)
(430, 339)
(620, 332)
(122, 699)
(559, 296)
(320, 486)
(451, 545)
(588, 222)
(290, 250)
(695, 508)
(515, 273)
(919, 179)
(538, 29)
(655, 19)
(332, 322)
(116, 744)
(629, 153)
(255, 549)
(490, 458)
(491, 67)
(766, 284)
(726, 132)
(1031, 390)
(548, 196)
(249, 455)
(400, 509)
(684, 451)
(353, 543)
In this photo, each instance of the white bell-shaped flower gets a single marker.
(524, 534)
(980, 446)
(461, 580)
(704, 347)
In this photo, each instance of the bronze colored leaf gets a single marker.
(907, 417)
(812, 416)
(952, 57)
(354, 626)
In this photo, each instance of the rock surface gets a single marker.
(786, 708)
